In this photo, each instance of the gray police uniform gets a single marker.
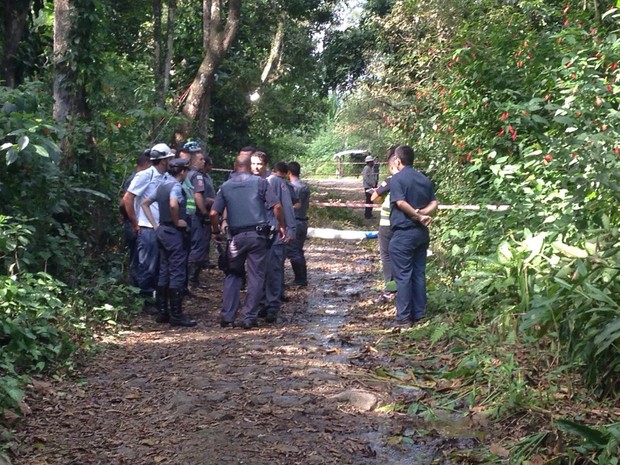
(295, 249)
(246, 199)
(172, 243)
(198, 248)
(274, 277)
(409, 243)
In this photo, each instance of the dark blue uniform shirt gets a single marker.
(413, 187)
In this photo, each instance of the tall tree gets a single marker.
(14, 16)
(218, 36)
(163, 49)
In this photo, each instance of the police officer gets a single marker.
(413, 199)
(171, 234)
(246, 199)
(199, 210)
(295, 249)
(144, 185)
(274, 277)
(382, 195)
(370, 179)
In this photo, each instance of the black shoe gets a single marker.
(162, 318)
(418, 320)
(150, 308)
(299, 283)
(398, 325)
(271, 318)
(284, 298)
(227, 324)
(262, 313)
(249, 325)
(182, 320)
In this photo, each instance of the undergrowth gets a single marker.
(46, 325)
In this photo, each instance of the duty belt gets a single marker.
(259, 228)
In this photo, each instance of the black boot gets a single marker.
(176, 309)
(161, 302)
(193, 272)
(301, 274)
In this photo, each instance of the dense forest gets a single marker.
(506, 102)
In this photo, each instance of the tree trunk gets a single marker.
(157, 54)
(172, 4)
(275, 54)
(217, 40)
(62, 73)
(15, 15)
(70, 99)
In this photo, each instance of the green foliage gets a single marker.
(601, 445)
(516, 104)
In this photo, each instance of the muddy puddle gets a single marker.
(392, 438)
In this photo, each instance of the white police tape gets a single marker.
(441, 207)
(327, 233)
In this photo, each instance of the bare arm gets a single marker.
(279, 214)
(200, 203)
(412, 213)
(430, 208)
(146, 208)
(128, 203)
(214, 217)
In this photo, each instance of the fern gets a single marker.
(439, 333)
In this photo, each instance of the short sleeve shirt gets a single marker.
(144, 185)
(197, 179)
(414, 188)
(209, 189)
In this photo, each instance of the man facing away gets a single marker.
(246, 199)
(413, 199)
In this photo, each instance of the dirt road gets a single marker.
(301, 391)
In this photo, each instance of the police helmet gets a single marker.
(161, 151)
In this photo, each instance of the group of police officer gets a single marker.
(172, 211)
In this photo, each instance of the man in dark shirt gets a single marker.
(413, 199)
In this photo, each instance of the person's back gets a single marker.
(413, 198)
(246, 199)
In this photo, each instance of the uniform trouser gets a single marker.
(247, 249)
(385, 235)
(207, 239)
(148, 260)
(198, 245)
(408, 254)
(274, 278)
(172, 253)
(367, 210)
(295, 248)
(131, 241)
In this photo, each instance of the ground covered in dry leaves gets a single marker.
(301, 391)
